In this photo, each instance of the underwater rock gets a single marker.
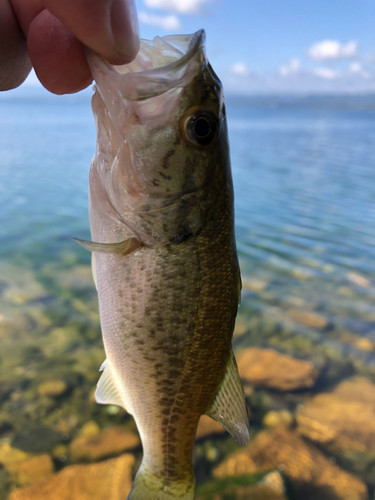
(361, 343)
(268, 368)
(66, 423)
(346, 291)
(236, 464)
(254, 284)
(312, 475)
(292, 300)
(37, 440)
(90, 428)
(276, 418)
(302, 273)
(52, 388)
(77, 278)
(14, 323)
(240, 328)
(9, 455)
(60, 452)
(307, 318)
(5, 422)
(108, 442)
(365, 344)
(343, 420)
(19, 285)
(269, 486)
(208, 427)
(30, 470)
(359, 280)
(274, 481)
(106, 480)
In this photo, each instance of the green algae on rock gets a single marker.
(259, 486)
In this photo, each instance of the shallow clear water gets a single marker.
(46, 146)
(304, 176)
(305, 209)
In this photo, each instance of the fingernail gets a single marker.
(125, 28)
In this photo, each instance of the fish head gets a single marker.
(162, 154)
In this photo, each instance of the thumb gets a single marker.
(109, 27)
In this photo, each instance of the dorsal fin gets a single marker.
(229, 406)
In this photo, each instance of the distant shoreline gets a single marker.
(346, 101)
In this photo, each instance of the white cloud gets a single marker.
(239, 69)
(326, 73)
(306, 80)
(181, 6)
(332, 49)
(291, 68)
(168, 23)
(357, 69)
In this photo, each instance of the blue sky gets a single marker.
(268, 46)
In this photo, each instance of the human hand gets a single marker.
(50, 35)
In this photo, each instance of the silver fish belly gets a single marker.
(164, 255)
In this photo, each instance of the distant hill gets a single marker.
(360, 102)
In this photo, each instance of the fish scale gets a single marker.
(164, 257)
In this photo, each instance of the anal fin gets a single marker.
(107, 391)
(229, 406)
(122, 248)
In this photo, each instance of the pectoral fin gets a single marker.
(107, 391)
(229, 406)
(122, 248)
(93, 269)
(239, 287)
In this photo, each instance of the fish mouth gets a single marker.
(137, 108)
(161, 64)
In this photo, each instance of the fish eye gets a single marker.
(200, 128)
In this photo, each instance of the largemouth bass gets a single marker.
(164, 255)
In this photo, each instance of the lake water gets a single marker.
(304, 177)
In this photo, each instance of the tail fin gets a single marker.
(147, 486)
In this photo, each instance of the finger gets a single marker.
(14, 61)
(57, 56)
(26, 11)
(109, 27)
